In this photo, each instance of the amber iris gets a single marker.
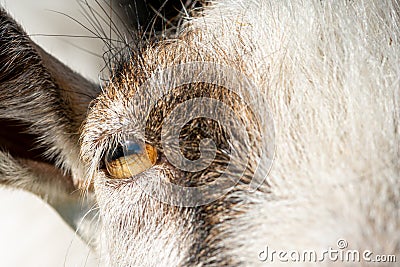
(133, 159)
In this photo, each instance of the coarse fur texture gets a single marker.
(327, 70)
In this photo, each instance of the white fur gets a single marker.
(330, 70)
(330, 73)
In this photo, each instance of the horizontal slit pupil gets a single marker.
(117, 153)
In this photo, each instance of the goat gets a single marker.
(247, 127)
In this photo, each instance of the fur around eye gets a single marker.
(129, 159)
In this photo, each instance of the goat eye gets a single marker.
(130, 158)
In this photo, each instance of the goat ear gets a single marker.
(42, 105)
